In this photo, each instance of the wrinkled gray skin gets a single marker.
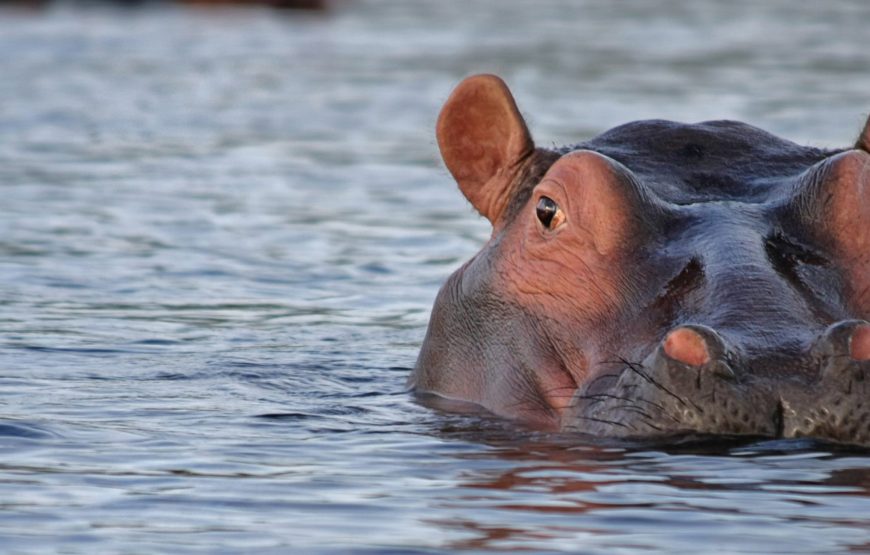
(731, 239)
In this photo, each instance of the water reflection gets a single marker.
(551, 492)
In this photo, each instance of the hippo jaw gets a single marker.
(697, 385)
(659, 280)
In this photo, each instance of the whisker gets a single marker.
(634, 368)
(605, 421)
(603, 396)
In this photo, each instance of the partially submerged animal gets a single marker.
(658, 280)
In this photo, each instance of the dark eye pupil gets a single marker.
(546, 209)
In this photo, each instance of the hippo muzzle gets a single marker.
(695, 383)
(660, 280)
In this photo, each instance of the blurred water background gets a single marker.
(221, 232)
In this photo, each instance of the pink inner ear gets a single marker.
(859, 347)
(846, 194)
(843, 203)
(483, 140)
(687, 346)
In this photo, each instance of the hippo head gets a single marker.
(660, 280)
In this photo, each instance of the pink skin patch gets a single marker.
(687, 346)
(859, 347)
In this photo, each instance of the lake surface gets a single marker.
(221, 233)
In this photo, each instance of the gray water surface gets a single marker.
(221, 233)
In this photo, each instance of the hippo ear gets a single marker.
(483, 140)
(832, 199)
(864, 140)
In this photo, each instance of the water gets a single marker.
(221, 233)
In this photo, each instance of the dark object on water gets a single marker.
(281, 4)
(312, 5)
(659, 280)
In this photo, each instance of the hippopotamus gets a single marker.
(659, 281)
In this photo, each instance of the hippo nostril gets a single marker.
(697, 347)
(845, 339)
(688, 346)
(842, 345)
(859, 342)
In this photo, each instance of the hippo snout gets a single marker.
(835, 405)
(695, 383)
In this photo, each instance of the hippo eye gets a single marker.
(546, 210)
(786, 255)
(789, 257)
